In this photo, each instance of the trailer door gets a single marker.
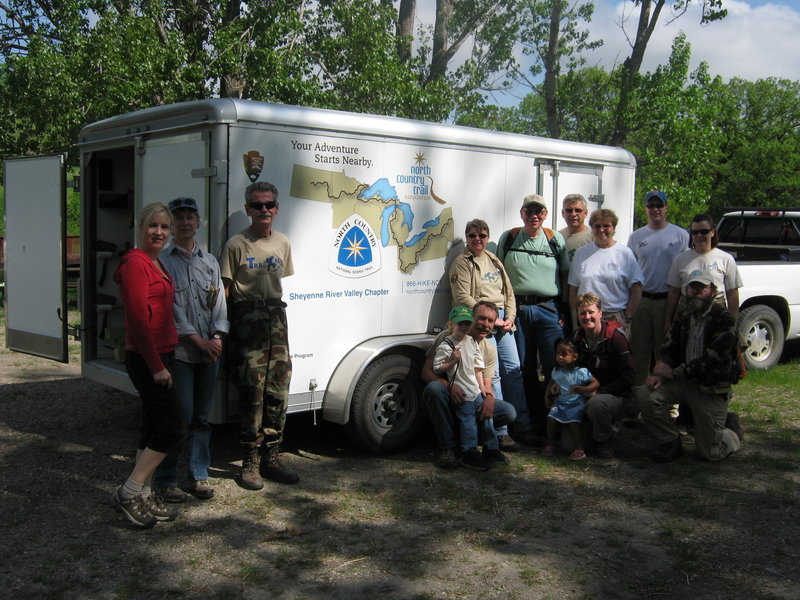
(36, 295)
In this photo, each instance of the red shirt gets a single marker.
(147, 296)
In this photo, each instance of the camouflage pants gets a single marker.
(263, 366)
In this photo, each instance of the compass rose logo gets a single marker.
(355, 251)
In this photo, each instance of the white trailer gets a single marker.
(375, 208)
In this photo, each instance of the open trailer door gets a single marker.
(35, 270)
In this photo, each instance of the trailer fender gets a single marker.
(345, 378)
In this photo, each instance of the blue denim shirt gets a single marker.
(196, 276)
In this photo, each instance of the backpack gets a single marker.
(549, 234)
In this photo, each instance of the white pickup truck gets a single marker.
(766, 245)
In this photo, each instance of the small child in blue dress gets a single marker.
(566, 393)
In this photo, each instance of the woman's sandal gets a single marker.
(577, 454)
(548, 451)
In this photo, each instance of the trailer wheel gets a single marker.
(761, 331)
(385, 412)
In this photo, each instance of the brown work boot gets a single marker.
(250, 479)
(273, 469)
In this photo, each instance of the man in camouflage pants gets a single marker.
(253, 263)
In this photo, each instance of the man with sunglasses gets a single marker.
(576, 233)
(253, 263)
(655, 246)
(536, 261)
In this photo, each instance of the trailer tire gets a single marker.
(761, 331)
(385, 411)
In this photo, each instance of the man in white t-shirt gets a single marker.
(655, 246)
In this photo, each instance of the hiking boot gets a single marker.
(604, 449)
(447, 459)
(668, 451)
(472, 459)
(171, 494)
(272, 468)
(529, 438)
(494, 457)
(250, 478)
(202, 489)
(134, 509)
(732, 423)
(155, 504)
(507, 444)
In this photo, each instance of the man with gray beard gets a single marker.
(697, 367)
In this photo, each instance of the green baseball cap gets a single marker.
(459, 314)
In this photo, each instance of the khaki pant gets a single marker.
(712, 439)
(647, 329)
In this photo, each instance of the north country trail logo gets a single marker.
(355, 251)
(253, 164)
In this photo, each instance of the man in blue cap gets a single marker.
(655, 246)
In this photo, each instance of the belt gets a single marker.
(258, 303)
(533, 299)
(655, 295)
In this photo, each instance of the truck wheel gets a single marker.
(761, 331)
(385, 412)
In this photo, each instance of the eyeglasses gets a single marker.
(602, 226)
(656, 205)
(259, 205)
(534, 212)
(472, 236)
(700, 231)
(569, 211)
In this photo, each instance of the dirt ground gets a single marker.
(393, 527)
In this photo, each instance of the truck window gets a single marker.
(763, 231)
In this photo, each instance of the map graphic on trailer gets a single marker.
(378, 204)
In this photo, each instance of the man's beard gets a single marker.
(697, 306)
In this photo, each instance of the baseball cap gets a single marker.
(459, 314)
(658, 194)
(534, 200)
(183, 202)
(698, 276)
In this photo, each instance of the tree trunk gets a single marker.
(440, 57)
(405, 29)
(631, 67)
(551, 70)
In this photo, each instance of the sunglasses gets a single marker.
(569, 211)
(259, 205)
(472, 236)
(602, 226)
(533, 212)
(700, 231)
(656, 205)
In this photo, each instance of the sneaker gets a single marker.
(202, 489)
(447, 459)
(251, 478)
(668, 451)
(171, 494)
(493, 456)
(272, 468)
(529, 438)
(507, 444)
(577, 454)
(472, 459)
(134, 509)
(155, 504)
(604, 449)
(732, 423)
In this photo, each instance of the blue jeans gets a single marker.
(436, 399)
(536, 335)
(473, 430)
(509, 373)
(194, 386)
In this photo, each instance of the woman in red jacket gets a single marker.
(150, 340)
